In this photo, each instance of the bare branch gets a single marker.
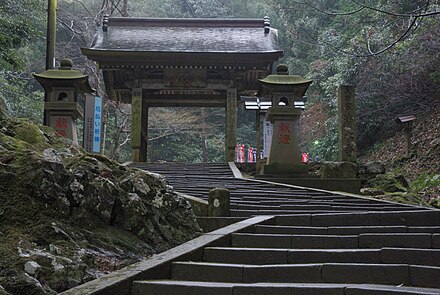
(414, 13)
(161, 136)
(401, 37)
(74, 32)
(85, 8)
(191, 10)
(334, 13)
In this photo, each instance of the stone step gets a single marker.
(248, 213)
(260, 256)
(281, 201)
(305, 208)
(368, 240)
(367, 289)
(162, 287)
(385, 274)
(341, 230)
(264, 200)
(408, 218)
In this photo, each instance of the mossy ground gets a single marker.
(75, 214)
(420, 169)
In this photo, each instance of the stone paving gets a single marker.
(299, 241)
(317, 242)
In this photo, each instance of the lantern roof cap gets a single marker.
(63, 76)
(282, 77)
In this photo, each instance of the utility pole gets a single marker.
(51, 33)
(50, 46)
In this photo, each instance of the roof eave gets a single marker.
(163, 57)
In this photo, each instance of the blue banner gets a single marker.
(97, 125)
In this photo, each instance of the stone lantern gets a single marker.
(287, 94)
(62, 86)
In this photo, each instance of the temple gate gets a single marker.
(183, 62)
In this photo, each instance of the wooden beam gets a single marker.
(184, 100)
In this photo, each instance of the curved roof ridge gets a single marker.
(186, 22)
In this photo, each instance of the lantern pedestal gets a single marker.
(284, 157)
(62, 117)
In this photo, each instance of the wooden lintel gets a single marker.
(220, 85)
(184, 103)
(153, 100)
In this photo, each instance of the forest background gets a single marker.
(389, 49)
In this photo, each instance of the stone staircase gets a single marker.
(299, 241)
(250, 197)
(340, 253)
(317, 243)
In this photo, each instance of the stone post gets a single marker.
(257, 141)
(218, 202)
(347, 124)
(231, 124)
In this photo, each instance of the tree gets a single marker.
(20, 26)
(387, 48)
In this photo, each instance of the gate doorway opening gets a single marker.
(186, 134)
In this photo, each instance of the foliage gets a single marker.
(330, 42)
(425, 181)
(325, 148)
(176, 134)
(22, 100)
(21, 24)
(199, 8)
(336, 42)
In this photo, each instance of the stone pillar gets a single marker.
(257, 140)
(139, 125)
(218, 202)
(144, 141)
(347, 124)
(231, 124)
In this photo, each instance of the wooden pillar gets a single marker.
(347, 124)
(139, 125)
(231, 124)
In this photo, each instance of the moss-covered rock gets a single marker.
(331, 170)
(76, 214)
(404, 198)
(389, 182)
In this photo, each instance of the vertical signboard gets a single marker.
(92, 124)
(97, 125)
(267, 138)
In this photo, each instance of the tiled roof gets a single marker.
(187, 36)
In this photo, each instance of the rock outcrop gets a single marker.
(67, 216)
